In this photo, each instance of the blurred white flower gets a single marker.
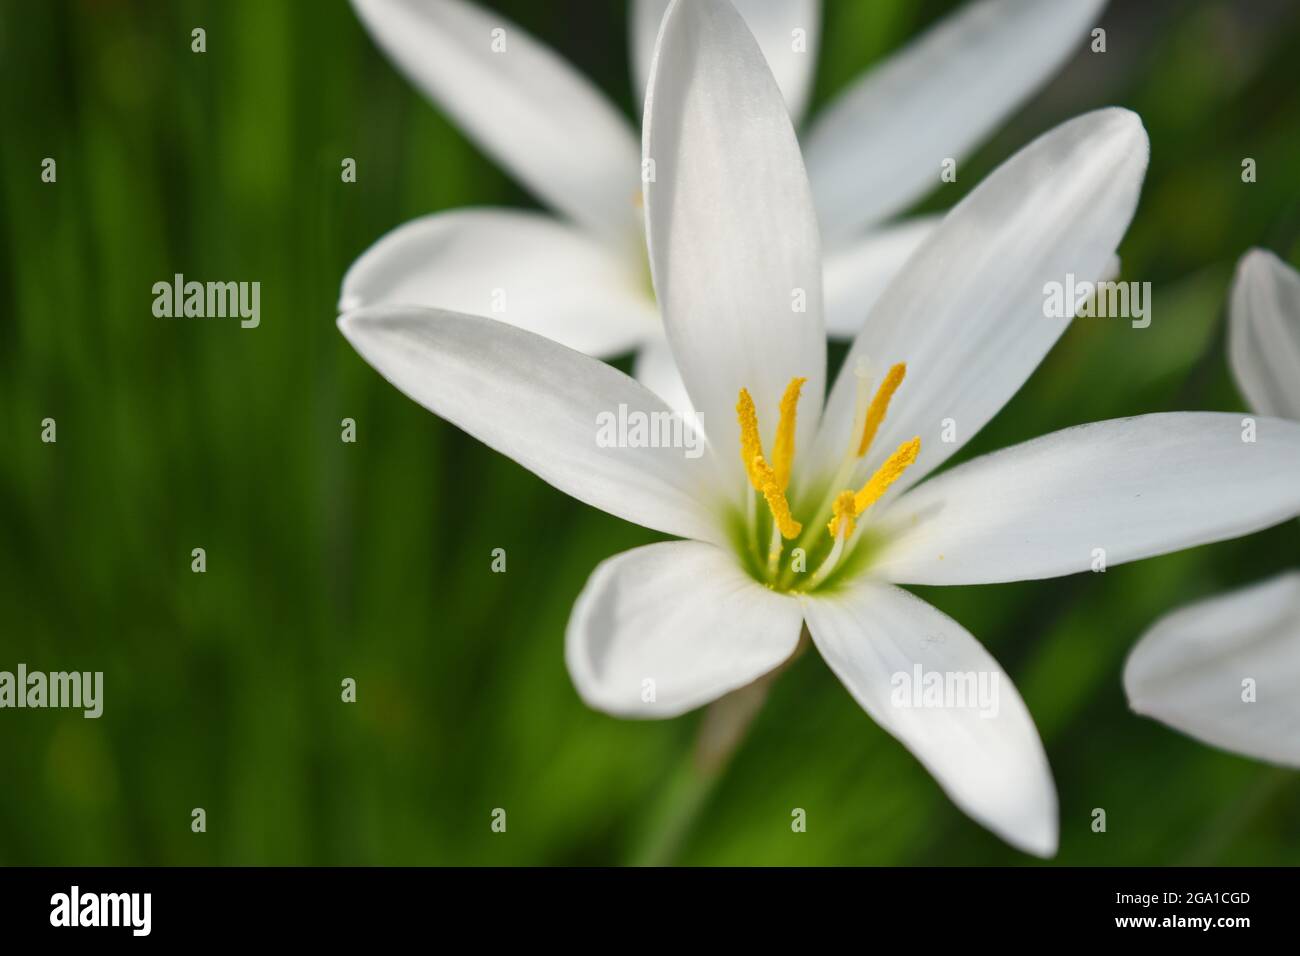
(817, 520)
(1227, 670)
(581, 280)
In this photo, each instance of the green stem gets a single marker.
(725, 724)
(680, 808)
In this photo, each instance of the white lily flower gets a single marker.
(1226, 670)
(582, 279)
(815, 521)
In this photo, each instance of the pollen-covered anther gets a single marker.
(783, 447)
(886, 475)
(880, 405)
(843, 521)
(771, 480)
(777, 503)
(751, 446)
(850, 505)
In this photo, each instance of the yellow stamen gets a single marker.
(843, 521)
(776, 500)
(886, 475)
(880, 405)
(751, 446)
(770, 481)
(783, 447)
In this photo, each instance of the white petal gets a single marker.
(857, 272)
(774, 24)
(656, 370)
(540, 404)
(881, 144)
(733, 242)
(677, 622)
(524, 268)
(966, 313)
(1189, 669)
(527, 107)
(981, 745)
(1264, 334)
(1132, 487)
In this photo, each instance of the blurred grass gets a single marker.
(371, 561)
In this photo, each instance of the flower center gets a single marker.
(771, 481)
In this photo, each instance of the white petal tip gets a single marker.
(1132, 689)
(1044, 849)
(1037, 837)
(1256, 260)
(346, 322)
(364, 323)
(1124, 122)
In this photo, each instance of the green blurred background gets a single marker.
(372, 560)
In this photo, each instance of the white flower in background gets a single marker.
(582, 279)
(731, 230)
(1227, 670)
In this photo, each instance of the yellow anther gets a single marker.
(880, 405)
(770, 481)
(783, 447)
(886, 475)
(751, 446)
(843, 521)
(776, 500)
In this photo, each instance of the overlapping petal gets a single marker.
(858, 272)
(1225, 670)
(656, 370)
(541, 119)
(524, 268)
(733, 242)
(663, 629)
(1264, 334)
(967, 312)
(880, 145)
(787, 32)
(1117, 491)
(982, 747)
(541, 404)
